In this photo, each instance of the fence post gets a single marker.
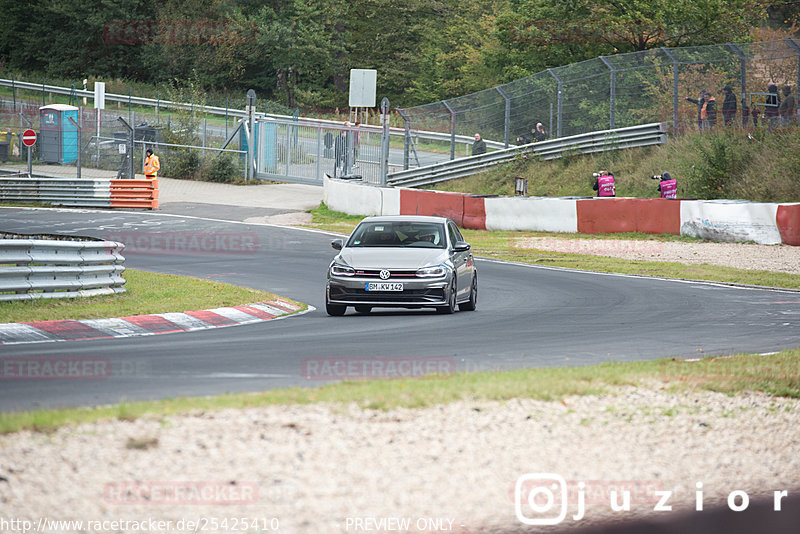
(406, 137)
(559, 102)
(128, 166)
(384, 140)
(675, 82)
(796, 47)
(742, 68)
(14, 93)
(613, 89)
(452, 130)
(507, 119)
(251, 109)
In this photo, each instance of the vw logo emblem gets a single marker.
(384, 274)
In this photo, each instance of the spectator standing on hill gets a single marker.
(699, 102)
(709, 112)
(787, 108)
(728, 106)
(539, 133)
(771, 106)
(479, 146)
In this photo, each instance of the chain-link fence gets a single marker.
(113, 141)
(622, 90)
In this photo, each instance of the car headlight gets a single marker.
(432, 272)
(337, 269)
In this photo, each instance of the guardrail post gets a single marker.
(675, 81)
(385, 140)
(507, 119)
(452, 130)
(559, 102)
(742, 68)
(613, 90)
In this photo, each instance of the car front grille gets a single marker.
(394, 274)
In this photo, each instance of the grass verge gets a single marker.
(146, 293)
(500, 245)
(776, 374)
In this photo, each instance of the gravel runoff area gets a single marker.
(450, 468)
(783, 258)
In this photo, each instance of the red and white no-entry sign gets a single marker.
(28, 137)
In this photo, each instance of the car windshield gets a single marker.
(398, 234)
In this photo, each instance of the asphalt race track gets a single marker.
(527, 316)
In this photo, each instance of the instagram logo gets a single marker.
(542, 492)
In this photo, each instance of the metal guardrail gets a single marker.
(114, 193)
(42, 268)
(633, 136)
(62, 191)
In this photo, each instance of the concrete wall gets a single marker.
(716, 220)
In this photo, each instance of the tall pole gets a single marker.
(507, 118)
(385, 140)
(452, 130)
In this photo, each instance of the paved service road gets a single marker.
(527, 316)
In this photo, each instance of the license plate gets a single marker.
(383, 286)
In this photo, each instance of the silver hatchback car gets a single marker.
(402, 262)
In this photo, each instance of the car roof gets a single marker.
(407, 218)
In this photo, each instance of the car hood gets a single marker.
(392, 257)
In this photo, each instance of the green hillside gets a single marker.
(760, 166)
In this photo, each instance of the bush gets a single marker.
(223, 169)
(183, 165)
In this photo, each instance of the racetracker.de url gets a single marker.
(198, 524)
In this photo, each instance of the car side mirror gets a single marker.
(461, 246)
(337, 244)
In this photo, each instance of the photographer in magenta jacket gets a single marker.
(604, 184)
(668, 186)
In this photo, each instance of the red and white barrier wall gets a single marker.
(716, 220)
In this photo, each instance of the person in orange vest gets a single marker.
(151, 165)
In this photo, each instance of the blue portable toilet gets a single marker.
(58, 137)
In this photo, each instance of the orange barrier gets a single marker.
(788, 221)
(466, 211)
(134, 194)
(619, 215)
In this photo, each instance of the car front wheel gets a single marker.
(335, 309)
(472, 303)
(451, 301)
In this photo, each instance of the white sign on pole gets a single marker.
(99, 95)
(362, 88)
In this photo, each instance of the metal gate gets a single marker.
(302, 151)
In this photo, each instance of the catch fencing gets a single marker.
(43, 268)
(618, 91)
(113, 143)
